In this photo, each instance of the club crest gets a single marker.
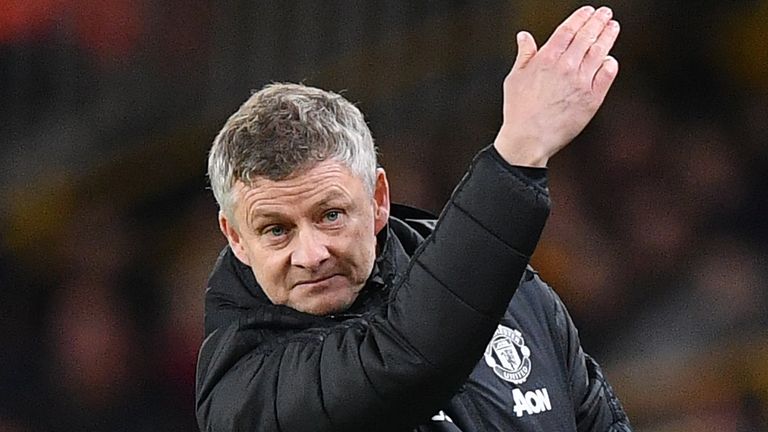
(508, 356)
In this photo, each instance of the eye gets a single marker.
(275, 230)
(332, 216)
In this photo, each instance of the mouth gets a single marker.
(316, 283)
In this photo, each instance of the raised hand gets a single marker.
(552, 93)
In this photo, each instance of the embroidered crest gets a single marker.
(508, 356)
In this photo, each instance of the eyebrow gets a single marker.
(255, 216)
(333, 196)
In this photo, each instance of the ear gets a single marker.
(381, 198)
(233, 237)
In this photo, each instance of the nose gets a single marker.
(311, 250)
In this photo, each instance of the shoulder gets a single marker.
(411, 226)
(417, 219)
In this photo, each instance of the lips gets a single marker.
(315, 282)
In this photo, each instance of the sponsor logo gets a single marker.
(508, 356)
(531, 402)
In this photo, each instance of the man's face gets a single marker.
(311, 238)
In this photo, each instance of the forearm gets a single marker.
(476, 255)
(461, 280)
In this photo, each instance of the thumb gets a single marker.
(526, 49)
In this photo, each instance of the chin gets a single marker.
(326, 306)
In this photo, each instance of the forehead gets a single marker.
(321, 182)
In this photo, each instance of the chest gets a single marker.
(520, 384)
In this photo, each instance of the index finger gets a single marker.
(564, 33)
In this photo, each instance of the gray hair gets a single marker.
(284, 129)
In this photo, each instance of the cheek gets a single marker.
(361, 249)
(270, 271)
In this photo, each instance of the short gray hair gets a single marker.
(283, 129)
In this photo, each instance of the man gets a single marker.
(333, 311)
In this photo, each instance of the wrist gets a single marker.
(520, 150)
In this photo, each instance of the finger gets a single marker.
(564, 33)
(604, 77)
(587, 36)
(526, 49)
(599, 50)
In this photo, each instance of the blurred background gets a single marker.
(657, 240)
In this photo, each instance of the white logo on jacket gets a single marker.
(441, 416)
(531, 402)
(508, 356)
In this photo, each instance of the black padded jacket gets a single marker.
(431, 344)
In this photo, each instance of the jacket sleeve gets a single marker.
(598, 409)
(387, 370)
